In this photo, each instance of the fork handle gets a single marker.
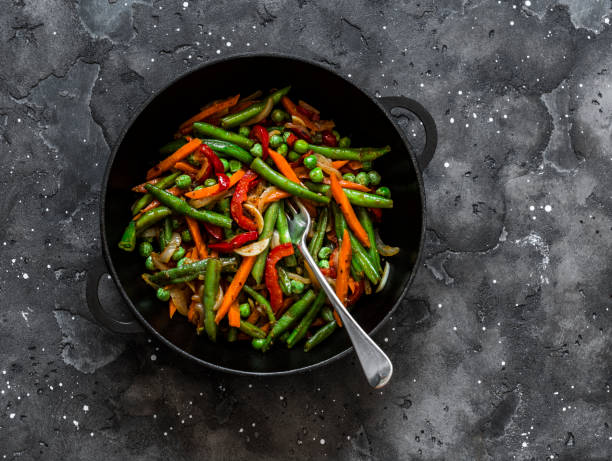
(375, 363)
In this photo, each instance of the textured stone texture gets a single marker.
(502, 348)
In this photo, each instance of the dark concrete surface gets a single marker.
(502, 348)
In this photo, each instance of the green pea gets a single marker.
(198, 187)
(225, 164)
(244, 131)
(316, 175)
(362, 178)
(310, 162)
(210, 182)
(293, 156)
(366, 166)
(344, 142)
(186, 236)
(183, 181)
(183, 261)
(257, 150)
(175, 223)
(374, 178)
(283, 149)
(324, 252)
(336, 134)
(323, 263)
(149, 264)
(384, 191)
(163, 294)
(145, 249)
(297, 287)
(276, 140)
(348, 177)
(245, 310)
(278, 115)
(234, 165)
(192, 160)
(300, 146)
(178, 254)
(258, 343)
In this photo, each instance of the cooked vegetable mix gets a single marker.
(210, 221)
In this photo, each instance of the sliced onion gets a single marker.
(275, 241)
(299, 278)
(326, 165)
(202, 202)
(263, 198)
(383, 249)
(150, 232)
(157, 262)
(298, 121)
(263, 114)
(219, 299)
(180, 297)
(254, 211)
(331, 281)
(253, 249)
(171, 247)
(385, 277)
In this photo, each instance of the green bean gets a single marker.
(228, 264)
(320, 188)
(344, 153)
(366, 222)
(282, 338)
(317, 241)
(321, 334)
(270, 218)
(232, 335)
(206, 129)
(262, 301)
(302, 328)
(282, 226)
(295, 312)
(251, 330)
(210, 292)
(182, 207)
(229, 149)
(244, 115)
(165, 234)
(365, 199)
(284, 281)
(277, 179)
(327, 314)
(128, 241)
(224, 207)
(172, 146)
(151, 217)
(143, 201)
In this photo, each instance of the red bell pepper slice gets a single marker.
(329, 139)
(377, 213)
(236, 242)
(329, 272)
(214, 231)
(261, 134)
(213, 160)
(239, 197)
(291, 139)
(275, 255)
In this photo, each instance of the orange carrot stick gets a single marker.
(194, 230)
(208, 111)
(337, 164)
(169, 162)
(355, 165)
(292, 109)
(186, 168)
(172, 307)
(235, 286)
(214, 190)
(344, 264)
(234, 315)
(348, 212)
(283, 166)
(274, 196)
(349, 185)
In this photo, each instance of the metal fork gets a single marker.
(375, 363)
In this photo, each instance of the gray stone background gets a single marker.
(502, 347)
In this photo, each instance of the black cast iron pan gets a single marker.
(368, 121)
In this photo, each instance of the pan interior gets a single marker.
(356, 115)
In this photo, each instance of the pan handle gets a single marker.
(431, 133)
(95, 271)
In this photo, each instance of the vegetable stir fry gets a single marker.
(210, 221)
